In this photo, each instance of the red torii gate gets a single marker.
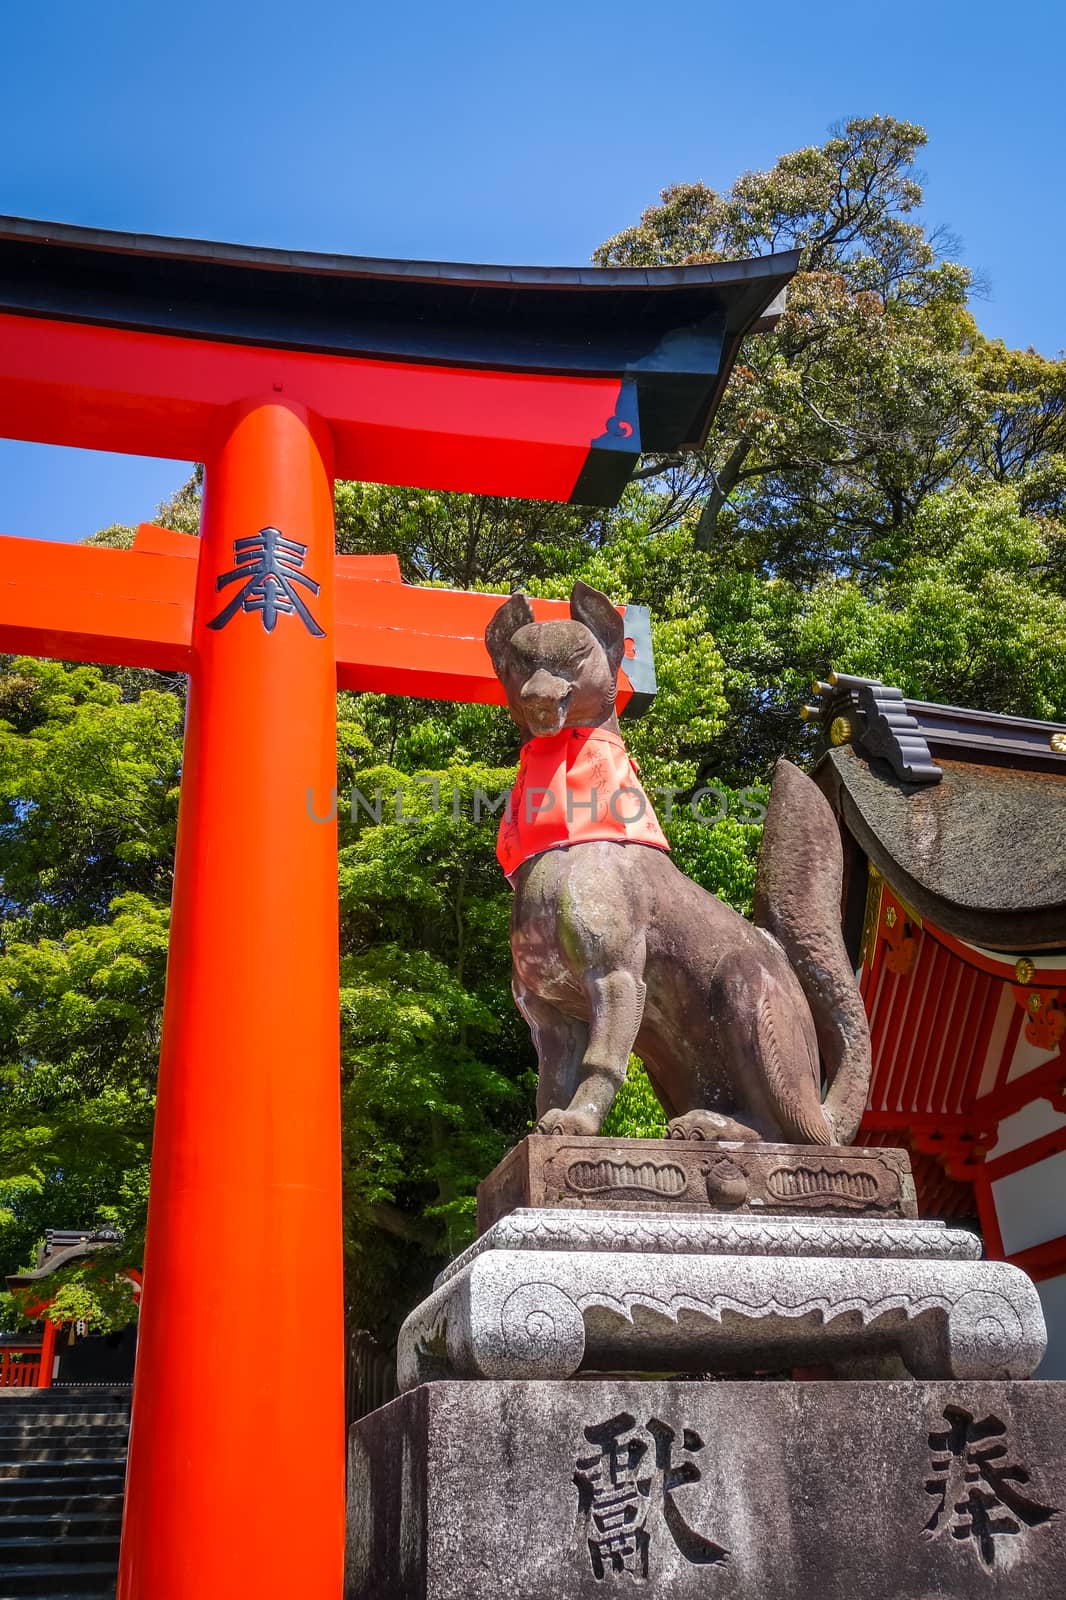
(280, 372)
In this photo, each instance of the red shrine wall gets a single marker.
(969, 1072)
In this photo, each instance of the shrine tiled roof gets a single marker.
(982, 853)
(62, 1247)
(962, 811)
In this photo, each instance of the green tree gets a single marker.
(876, 389)
(88, 799)
(436, 1079)
(968, 618)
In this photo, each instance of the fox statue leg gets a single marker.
(581, 1065)
(710, 1125)
(560, 1042)
(580, 952)
(616, 1005)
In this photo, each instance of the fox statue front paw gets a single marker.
(710, 1126)
(568, 1122)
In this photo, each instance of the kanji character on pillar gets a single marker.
(269, 565)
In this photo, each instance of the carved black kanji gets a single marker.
(269, 567)
(976, 1485)
(632, 1474)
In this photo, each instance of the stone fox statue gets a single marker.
(615, 950)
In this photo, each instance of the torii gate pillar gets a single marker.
(247, 1136)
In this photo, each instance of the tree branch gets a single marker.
(724, 484)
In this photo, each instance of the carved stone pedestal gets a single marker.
(751, 1491)
(649, 1259)
(554, 1293)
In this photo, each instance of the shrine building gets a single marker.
(954, 825)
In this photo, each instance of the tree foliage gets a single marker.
(882, 493)
(876, 390)
(88, 799)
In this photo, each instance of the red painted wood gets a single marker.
(436, 427)
(894, 995)
(923, 993)
(20, 1366)
(983, 1039)
(383, 569)
(934, 1047)
(134, 608)
(48, 1352)
(1006, 1060)
(986, 1211)
(167, 541)
(236, 1473)
(996, 966)
(965, 1020)
(1027, 1155)
(148, 539)
(79, 602)
(917, 1122)
(1043, 1083)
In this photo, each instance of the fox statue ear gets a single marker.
(512, 615)
(601, 619)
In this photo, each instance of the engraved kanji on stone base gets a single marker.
(977, 1485)
(625, 1492)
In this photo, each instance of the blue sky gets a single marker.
(521, 133)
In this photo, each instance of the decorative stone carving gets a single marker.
(521, 1313)
(689, 1175)
(541, 1329)
(821, 1183)
(677, 1233)
(656, 1178)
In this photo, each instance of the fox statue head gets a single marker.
(559, 674)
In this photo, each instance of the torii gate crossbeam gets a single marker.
(280, 372)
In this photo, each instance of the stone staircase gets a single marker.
(62, 1473)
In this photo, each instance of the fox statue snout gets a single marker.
(747, 1030)
(545, 702)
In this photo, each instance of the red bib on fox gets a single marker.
(575, 787)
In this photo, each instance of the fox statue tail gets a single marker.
(797, 899)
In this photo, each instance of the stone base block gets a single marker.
(751, 1491)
